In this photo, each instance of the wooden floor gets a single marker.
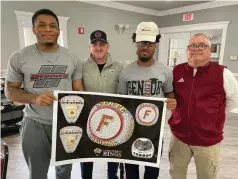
(229, 157)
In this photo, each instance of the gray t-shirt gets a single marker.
(41, 72)
(154, 80)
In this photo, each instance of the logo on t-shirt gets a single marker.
(151, 87)
(181, 80)
(49, 76)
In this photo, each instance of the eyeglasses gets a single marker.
(144, 43)
(199, 47)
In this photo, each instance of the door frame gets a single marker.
(222, 25)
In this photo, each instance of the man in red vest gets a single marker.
(204, 92)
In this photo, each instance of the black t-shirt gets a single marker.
(100, 67)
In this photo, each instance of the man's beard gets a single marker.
(49, 44)
(145, 59)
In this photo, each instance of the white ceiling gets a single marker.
(162, 8)
(161, 5)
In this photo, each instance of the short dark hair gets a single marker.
(46, 12)
(134, 38)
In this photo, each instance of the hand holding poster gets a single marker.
(91, 126)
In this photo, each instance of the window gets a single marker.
(176, 51)
(26, 35)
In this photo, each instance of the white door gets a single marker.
(172, 48)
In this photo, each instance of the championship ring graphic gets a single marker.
(147, 114)
(72, 106)
(70, 137)
(142, 148)
(110, 124)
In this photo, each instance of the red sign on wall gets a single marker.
(188, 17)
(80, 30)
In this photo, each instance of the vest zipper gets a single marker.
(190, 99)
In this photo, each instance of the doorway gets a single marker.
(174, 41)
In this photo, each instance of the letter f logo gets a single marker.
(104, 122)
(146, 113)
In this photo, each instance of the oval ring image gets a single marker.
(147, 114)
(110, 124)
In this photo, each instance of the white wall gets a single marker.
(89, 16)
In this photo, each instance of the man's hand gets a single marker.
(44, 99)
(16, 94)
(171, 103)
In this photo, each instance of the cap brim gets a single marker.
(98, 39)
(149, 38)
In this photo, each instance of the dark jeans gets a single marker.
(112, 170)
(87, 170)
(132, 172)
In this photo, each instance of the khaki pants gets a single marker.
(206, 159)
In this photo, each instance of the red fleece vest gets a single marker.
(200, 114)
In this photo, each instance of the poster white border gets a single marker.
(54, 131)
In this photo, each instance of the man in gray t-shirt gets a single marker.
(154, 80)
(41, 68)
(146, 77)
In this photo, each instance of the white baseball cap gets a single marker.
(147, 31)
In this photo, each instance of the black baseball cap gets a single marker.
(98, 35)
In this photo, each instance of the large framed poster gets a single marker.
(90, 126)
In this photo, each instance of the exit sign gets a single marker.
(188, 17)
